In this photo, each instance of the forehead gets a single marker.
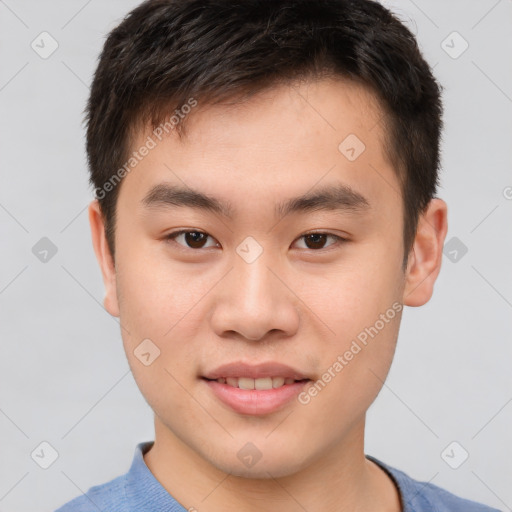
(278, 143)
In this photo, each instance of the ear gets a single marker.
(426, 255)
(104, 257)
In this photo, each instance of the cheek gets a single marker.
(159, 312)
(353, 294)
(362, 308)
(154, 293)
(160, 303)
(354, 372)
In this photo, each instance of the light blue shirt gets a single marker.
(139, 491)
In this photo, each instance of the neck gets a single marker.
(340, 480)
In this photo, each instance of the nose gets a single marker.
(253, 301)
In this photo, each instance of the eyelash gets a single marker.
(339, 240)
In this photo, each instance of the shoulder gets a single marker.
(439, 499)
(419, 496)
(100, 497)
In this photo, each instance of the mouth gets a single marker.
(255, 397)
(255, 389)
(261, 384)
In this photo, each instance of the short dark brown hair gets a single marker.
(166, 52)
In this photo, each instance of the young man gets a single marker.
(265, 175)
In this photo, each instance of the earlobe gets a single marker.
(104, 258)
(426, 256)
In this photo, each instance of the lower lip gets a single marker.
(255, 401)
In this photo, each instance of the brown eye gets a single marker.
(190, 239)
(317, 241)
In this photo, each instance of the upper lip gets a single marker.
(258, 371)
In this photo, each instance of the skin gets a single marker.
(294, 304)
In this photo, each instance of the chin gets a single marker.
(275, 466)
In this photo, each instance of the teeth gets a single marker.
(277, 382)
(246, 383)
(265, 383)
(262, 384)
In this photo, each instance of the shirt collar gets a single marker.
(411, 498)
(143, 491)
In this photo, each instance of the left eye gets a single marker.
(317, 240)
(197, 239)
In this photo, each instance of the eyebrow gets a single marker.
(338, 197)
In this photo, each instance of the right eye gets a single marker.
(190, 239)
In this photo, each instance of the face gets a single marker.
(247, 276)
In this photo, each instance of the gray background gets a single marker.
(64, 375)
